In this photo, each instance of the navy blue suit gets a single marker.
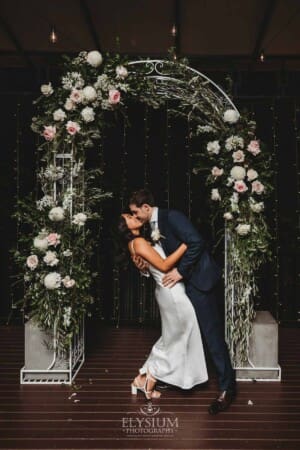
(200, 274)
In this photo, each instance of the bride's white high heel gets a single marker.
(148, 394)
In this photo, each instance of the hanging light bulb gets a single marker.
(174, 30)
(53, 36)
(262, 56)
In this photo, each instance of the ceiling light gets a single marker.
(53, 36)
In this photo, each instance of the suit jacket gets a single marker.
(197, 265)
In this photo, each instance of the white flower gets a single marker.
(67, 253)
(256, 207)
(243, 228)
(216, 171)
(257, 187)
(56, 214)
(155, 235)
(53, 173)
(59, 115)
(69, 105)
(204, 129)
(238, 173)
(213, 147)
(40, 242)
(234, 142)
(68, 282)
(94, 58)
(121, 72)
(102, 82)
(44, 202)
(32, 262)
(67, 316)
(88, 114)
(230, 181)
(228, 216)
(238, 156)
(72, 80)
(231, 116)
(251, 174)
(234, 200)
(47, 89)
(52, 280)
(79, 219)
(89, 93)
(51, 258)
(215, 195)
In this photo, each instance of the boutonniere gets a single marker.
(156, 236)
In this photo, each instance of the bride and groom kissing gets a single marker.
(185, 276)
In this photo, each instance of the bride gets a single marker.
(177, 358)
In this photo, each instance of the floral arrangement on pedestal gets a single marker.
(240, 181)
(58, 244)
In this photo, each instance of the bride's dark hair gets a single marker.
(125, 234)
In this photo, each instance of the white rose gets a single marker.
(155, 235)
(243, 229)
(47, 89)
(32, 262)
(238, 173)
(251, 174)
(69, 105)
(213, 147)
(88, 114)
(216, 171)
(52, 280)
(231, 116)
(79, 219)
(68, 282)
(257, 207)
(67, 253)
(121, 72)
(59, 115)
(40, 243)
(56, 214)
(228, 216)
(215, 195)
(234, 142)
(51, 258)
(76, 96)
(94, 58)
(89, 93)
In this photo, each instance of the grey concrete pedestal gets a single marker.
(263, 351)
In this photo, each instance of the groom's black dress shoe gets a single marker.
(222, 402)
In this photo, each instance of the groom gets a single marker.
(200, 274)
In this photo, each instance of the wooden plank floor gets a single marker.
(45, 417)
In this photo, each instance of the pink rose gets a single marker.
(238, 156)
(114, 96)
(72, 127)
(254, 148)
(258, 187)
(32, 262)
(240, 186)
(53, 239)
(216, 172)
(76, 96)
(49, 132)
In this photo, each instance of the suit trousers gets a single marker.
(208, 316)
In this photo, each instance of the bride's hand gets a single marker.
(140, 263)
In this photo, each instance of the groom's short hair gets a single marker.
(141, 197)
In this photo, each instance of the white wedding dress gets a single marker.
(177, 357)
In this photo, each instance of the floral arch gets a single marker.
(70, 119)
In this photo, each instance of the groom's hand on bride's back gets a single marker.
(171, 278)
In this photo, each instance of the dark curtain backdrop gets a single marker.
(155, 151)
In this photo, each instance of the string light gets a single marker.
(174, 30)
(53, 36)
(262, 56)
